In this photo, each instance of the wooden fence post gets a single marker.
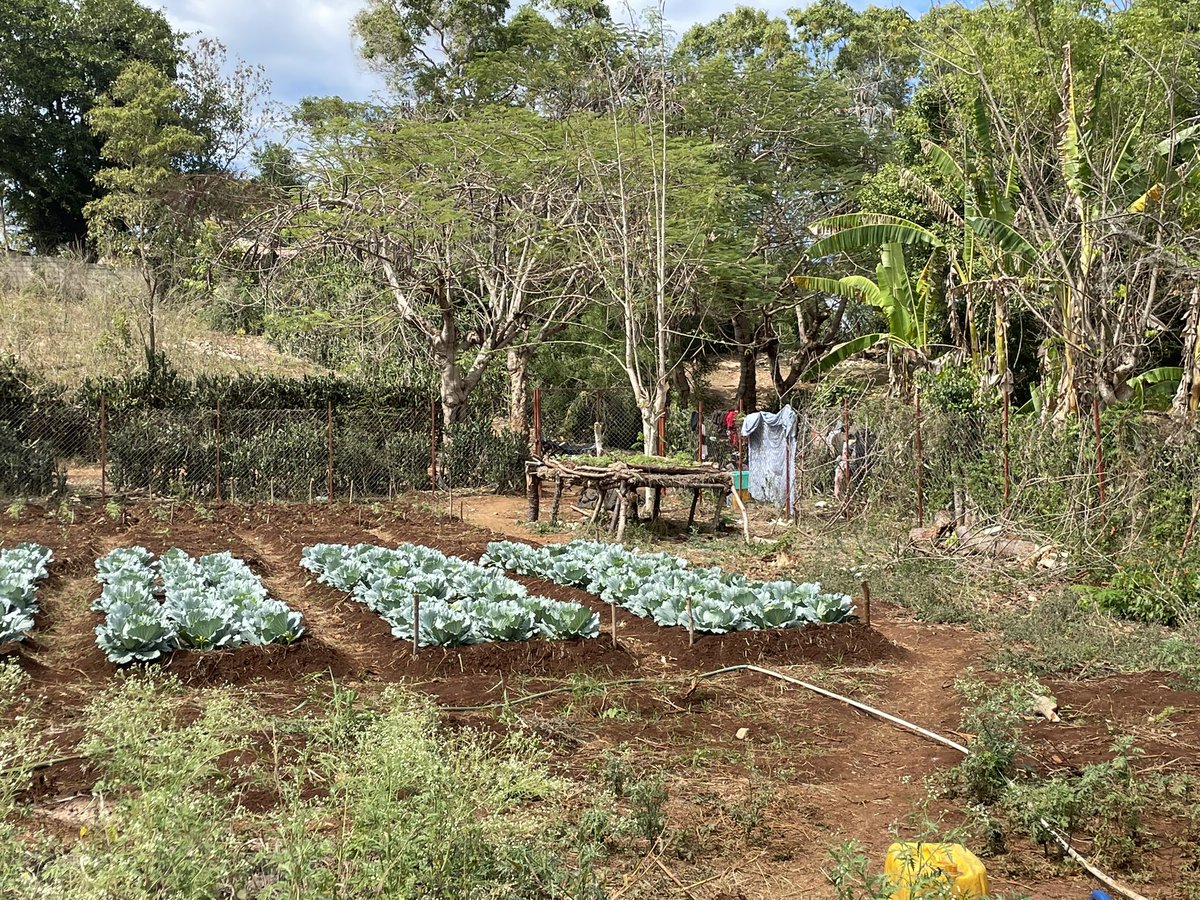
(699, 431)
(1007, 451)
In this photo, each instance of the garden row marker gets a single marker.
(867, 601)
(691, 623)
(416, 622)
(612, 607)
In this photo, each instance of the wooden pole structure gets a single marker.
(612, 609)
(662, 434)
(416, 623)
(866, 588)
(920, 460)
(844, 464)
(433, 445)
(1007, 452)
(217, 461)
(537, 423)
(699, 431)
(738, 435)
(691, 623)
(103, 448)
(329, 451)
(1099, 451)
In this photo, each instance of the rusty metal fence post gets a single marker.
(537, 422)
(432, 444)
(329, 451)
(1007, 450)
(1099, 451)
(920, 459)
(661, 443)
(217, 453)
(103, 448)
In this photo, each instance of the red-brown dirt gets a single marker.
(753, 817)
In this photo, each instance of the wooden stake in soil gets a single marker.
(416, 623)
(845, 463)
(557, 502)
(612, 610)
(867, 601)
(691, 623)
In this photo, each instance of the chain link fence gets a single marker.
(252, 453)
(1129, 472)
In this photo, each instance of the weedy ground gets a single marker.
(343, 768)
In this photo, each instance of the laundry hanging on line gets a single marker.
(771, 438)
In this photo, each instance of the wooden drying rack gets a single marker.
(626, 478)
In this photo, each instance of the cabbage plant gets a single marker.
(22, 567)
(214, 602)
(659, 586)
(460, 601)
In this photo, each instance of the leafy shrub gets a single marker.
(1147, 591)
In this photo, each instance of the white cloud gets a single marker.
(304, 45)
(307, 49)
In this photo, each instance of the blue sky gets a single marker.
(306, 48)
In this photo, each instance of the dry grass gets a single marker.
(69, 321)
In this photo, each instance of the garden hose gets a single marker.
(1099, 875)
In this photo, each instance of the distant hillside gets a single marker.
(68, 320)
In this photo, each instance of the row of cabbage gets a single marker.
(21, 568)
(177, 602)
(659, 586)
(458, 602)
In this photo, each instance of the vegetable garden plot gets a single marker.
(21, 568)
(459, 602)
(214, 602)
(659, 586)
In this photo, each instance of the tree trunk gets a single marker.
(518, 389)
(454, 393)
(1187, 397)
(747, 390)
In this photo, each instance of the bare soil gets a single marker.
(752, 817)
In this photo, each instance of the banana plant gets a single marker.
(905, 305)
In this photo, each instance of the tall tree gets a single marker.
(462, 223)
(57, 58)
(143, 215)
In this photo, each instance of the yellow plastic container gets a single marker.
(917, 868)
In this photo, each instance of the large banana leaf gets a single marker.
(1164, 378)
(852, 287)
(859, 231)
(841, 353)
(1004, 237)
(1071, 155)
